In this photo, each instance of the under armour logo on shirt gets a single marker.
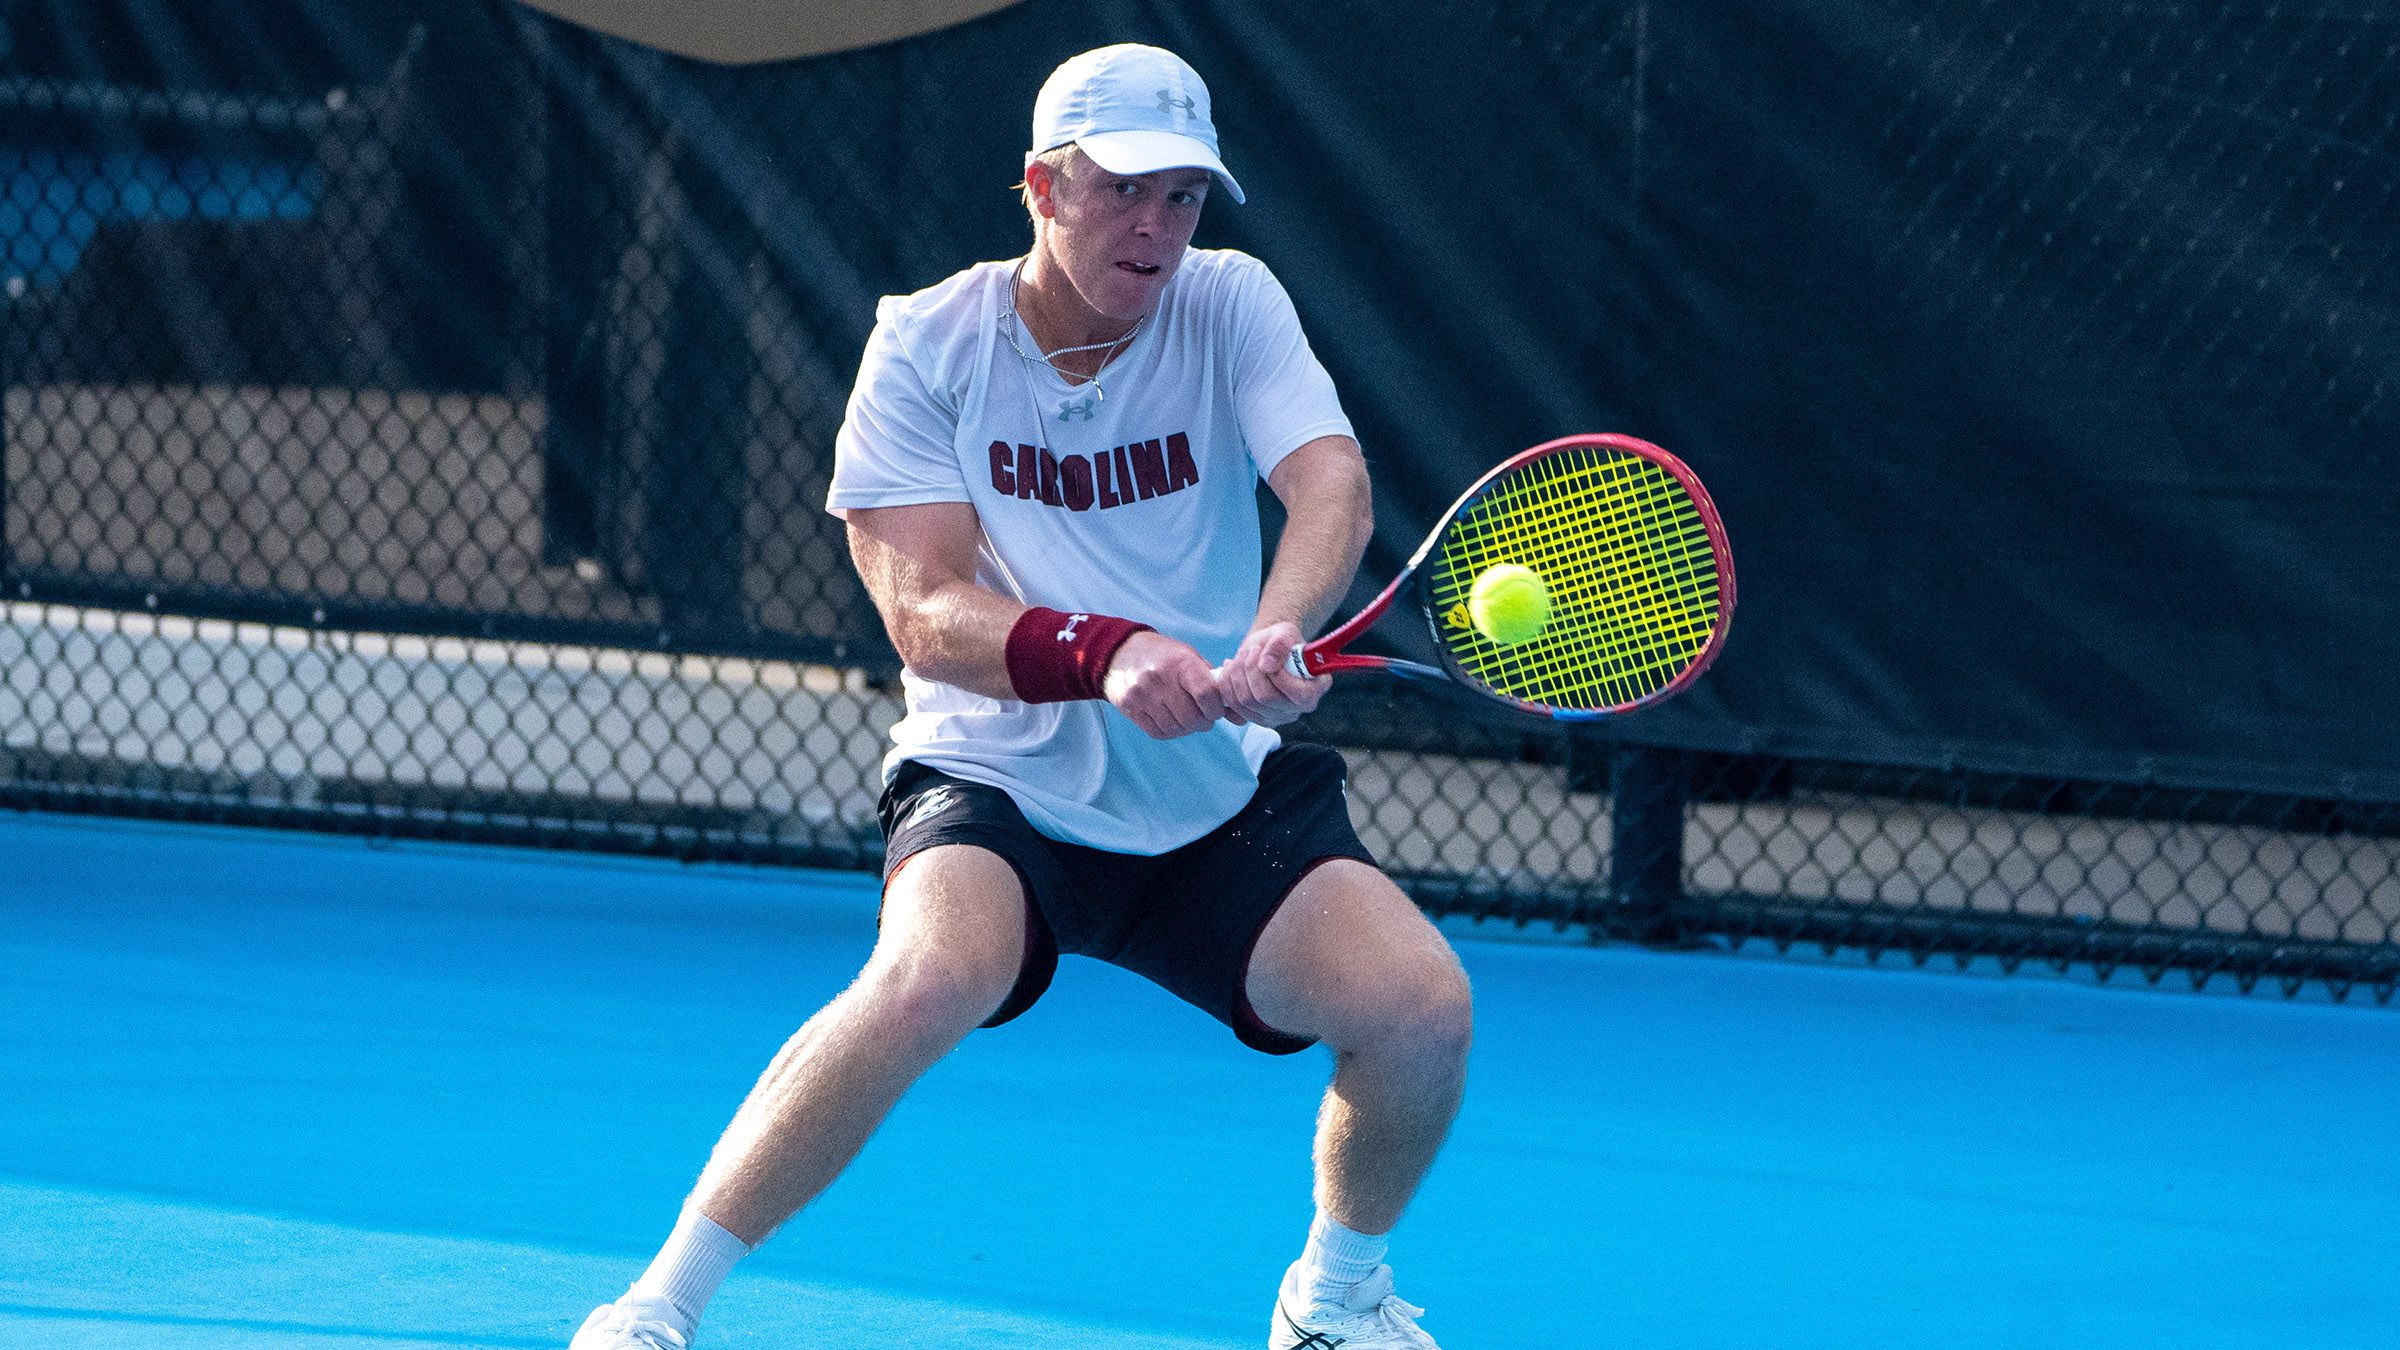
(1067, 634)
(1167, 102)
(1070, 409)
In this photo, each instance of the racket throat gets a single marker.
(1313, 665)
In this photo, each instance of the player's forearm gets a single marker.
(918, 564)
(957, 633)
(1329, 516)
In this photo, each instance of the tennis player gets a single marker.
(1048, 473)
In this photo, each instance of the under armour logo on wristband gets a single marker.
(1072, 667)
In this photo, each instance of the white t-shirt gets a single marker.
(1140, 503)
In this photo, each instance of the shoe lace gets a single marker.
(1392, 1314)
(648, 1332)
(1398, 1313)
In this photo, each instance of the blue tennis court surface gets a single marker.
(267, 1090)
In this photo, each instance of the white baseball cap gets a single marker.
(1132, 109)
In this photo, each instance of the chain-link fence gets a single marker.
(1516, 824)
(405, 355)
(335, 497)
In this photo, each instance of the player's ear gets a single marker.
(1041, 186)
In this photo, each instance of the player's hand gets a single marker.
(1165, 686)
(1260, 687)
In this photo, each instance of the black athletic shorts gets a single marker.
(1186, 920)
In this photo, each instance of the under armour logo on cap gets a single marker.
(1132, 110)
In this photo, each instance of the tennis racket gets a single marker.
(1639, 575)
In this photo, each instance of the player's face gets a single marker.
(1118, 237)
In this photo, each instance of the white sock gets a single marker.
(686, 1272)
(1338, 1257)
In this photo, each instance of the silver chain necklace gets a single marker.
(1050, 359)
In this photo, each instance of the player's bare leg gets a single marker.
(1350, 961)
(952, 941)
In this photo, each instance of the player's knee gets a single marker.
(937, 998)
(1425, 1011)
(1441, 1012)
(952, 944)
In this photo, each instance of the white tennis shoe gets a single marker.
(1369, 1317)
(634, 1322)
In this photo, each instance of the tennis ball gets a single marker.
(1509, 604)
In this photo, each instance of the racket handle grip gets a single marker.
(1296, 664)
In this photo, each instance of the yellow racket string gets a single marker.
(1626, 556)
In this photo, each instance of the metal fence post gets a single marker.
(577, 207)
(1648, 787)
(694, 484)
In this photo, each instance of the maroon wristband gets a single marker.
(1055, 657)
